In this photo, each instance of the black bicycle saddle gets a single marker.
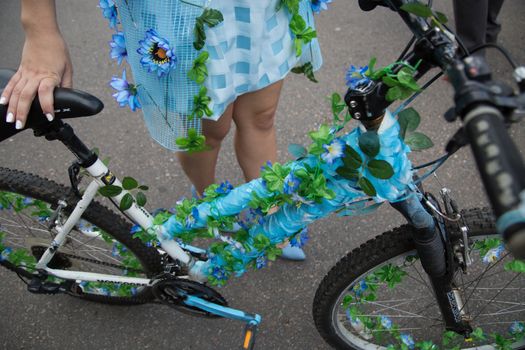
(69, 103)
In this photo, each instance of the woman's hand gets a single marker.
(45, 65)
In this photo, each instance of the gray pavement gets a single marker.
(282, 293)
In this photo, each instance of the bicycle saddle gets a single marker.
(69, 103)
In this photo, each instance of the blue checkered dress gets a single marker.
(251, 49)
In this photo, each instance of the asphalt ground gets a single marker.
(282, 293)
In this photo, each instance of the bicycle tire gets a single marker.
(31, 186)
(364, 261)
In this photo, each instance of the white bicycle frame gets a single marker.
(101, 177)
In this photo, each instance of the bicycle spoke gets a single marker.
(495, 296)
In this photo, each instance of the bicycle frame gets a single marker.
(102, 176)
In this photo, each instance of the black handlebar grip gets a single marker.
(502, 171)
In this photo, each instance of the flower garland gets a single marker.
(158, 57)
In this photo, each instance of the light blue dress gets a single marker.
(251, 49)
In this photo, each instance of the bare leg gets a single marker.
(255, 140)
(200, 167)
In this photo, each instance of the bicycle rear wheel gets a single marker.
(101, 242)
(379, 297)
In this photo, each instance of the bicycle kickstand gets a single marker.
(252, 320)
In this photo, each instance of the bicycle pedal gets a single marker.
(249, 336)
(36, 286)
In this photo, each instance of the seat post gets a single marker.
(58, 130)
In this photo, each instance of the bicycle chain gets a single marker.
(97, 262)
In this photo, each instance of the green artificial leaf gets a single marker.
(516, 266)
(418, 141)
(366, 186)
(441, 17)
(143, 187)
(478, 334)
(394, 93)
(199, 34)
(307, 69)
(194, 142)
(297, 151)
(260, 242)
(371, 66)
(369, 143)
(141, 199)
(211, 17)
(418, 9)
(352, 159)
(409, 119)
(380, 169)
(199, 72)
(406, 79)
(129, 183)
(126, 202)
(110, 190)
(347, 173)
(389, 81)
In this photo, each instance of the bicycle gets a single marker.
(173, 272)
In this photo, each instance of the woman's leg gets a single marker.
(255, 140)
(200, 167)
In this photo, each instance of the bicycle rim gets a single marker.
(24, 236)
(391, 306)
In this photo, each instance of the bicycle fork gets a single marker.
(436, 257)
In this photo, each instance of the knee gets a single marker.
(216, 132)
(262, 120)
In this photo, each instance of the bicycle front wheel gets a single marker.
(379, 297)
(101, 241)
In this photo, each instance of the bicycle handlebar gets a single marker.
(497, 158)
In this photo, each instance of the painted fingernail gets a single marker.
(50, 117)
(19, 125)
(3, 100)
(10, 118)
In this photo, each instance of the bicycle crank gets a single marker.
(198, 299)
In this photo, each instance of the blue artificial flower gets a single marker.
(333, 151)
(190, 220)
(517, 328)
(300, 239)
(135, 229)
(219, 273)
(118, 47)
(224, 188)
(408, 341)
(300, 200)
(360, 288)
(4, 255)
(494, 254)
(318, 5)
(134, 290)
(126, 94)
(291, 183)
(386, 322)
(261, 262)
(109, 10)
(27, 201)
(115, 250)
(105, 291)
(265, 165)
(157, 55)
(356, 78)
(354, 321)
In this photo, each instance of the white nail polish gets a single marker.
(19, 125)
(3, 100)
(50, 117)
(10, 118)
